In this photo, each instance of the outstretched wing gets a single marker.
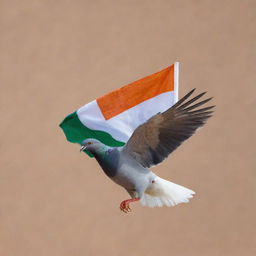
(154, 140)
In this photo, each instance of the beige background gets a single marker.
(57, 55)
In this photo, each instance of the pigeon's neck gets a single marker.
(108, 160)
(101, 152)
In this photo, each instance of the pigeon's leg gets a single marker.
(124, 206)
(136, 194)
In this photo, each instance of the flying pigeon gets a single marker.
(149, 145)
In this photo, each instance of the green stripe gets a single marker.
(76, 132)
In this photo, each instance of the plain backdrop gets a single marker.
(55, 56)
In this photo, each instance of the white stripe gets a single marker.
(122, 126)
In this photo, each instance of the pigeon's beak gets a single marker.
(82, 148)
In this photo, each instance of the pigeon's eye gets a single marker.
(89, 143)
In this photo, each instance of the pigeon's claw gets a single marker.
(125, 207)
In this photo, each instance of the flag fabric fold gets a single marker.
(113, 117)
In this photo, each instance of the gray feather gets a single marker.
(154, 140)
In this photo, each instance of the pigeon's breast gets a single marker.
(130, 174)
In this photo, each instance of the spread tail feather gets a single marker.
(163, 192)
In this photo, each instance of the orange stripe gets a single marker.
(134, 93)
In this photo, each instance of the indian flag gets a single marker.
(113, 117)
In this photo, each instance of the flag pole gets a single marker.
(176, 81)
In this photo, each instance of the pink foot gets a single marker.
(124, 206)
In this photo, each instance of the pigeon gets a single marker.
(148, 146)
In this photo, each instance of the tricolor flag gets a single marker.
(113, 117)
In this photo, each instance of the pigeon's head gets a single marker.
(92, 145)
